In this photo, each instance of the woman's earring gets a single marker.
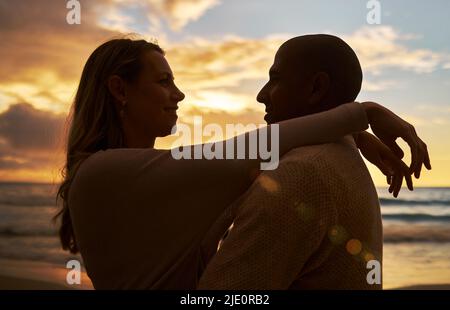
(122, 109)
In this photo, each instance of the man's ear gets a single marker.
(116, 86)
(320, 87)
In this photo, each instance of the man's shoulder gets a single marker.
(312, 155)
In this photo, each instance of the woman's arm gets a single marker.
(227, 179)
(323, 128)
(286, 135)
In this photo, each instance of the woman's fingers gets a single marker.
(391, 186)
(401, 170)
(427, 158)
(396, 149)
(423, 153)
(408, 180)
(386, 167)
(388, 127)
(404, 170)
(398, 180)
(417, 152)
(396, 184)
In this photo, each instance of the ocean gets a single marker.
(416, 232)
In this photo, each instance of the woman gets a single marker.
(137, 215)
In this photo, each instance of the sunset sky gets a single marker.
(220, 53)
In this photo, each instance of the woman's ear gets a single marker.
(320, 87)
(116, 86)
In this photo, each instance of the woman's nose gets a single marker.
(182, 95)
(178, 94)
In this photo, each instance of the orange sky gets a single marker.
(220, 71)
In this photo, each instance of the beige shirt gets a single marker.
(313, 223)
(140, 217)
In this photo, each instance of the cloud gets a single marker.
(42, 56)
(429, 121)
(180, 12)
(434, 108)
(379, 85)
(177, 13)
(31, 144)
(230, 62)
(26, 128)
(203, 64)
(434, 114)
(382, 47)
(114, 18)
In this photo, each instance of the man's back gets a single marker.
(311, 224)
(356, 236)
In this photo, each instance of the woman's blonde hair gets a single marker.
(94, 117)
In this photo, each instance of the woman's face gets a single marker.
(153, 98)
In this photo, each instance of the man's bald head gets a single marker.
(329, 54)
(310, 74)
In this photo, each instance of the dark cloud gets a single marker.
(24, 127)
(30, 138)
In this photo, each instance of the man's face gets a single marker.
(286, 94)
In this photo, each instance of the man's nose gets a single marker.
(262, 95)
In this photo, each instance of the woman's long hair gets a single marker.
(94, 117)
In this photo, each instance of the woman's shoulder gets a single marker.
(124, 153)
(112, 169)
(111, 164)
(122, 156)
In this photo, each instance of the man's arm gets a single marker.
(281, 223)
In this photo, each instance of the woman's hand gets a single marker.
(388, 127)
(381, 156)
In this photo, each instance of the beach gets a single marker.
(29, 275)
(18, 283)
(9, 283)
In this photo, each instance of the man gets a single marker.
(315, 222)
